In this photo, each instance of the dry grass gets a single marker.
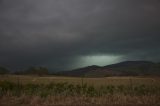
(67, 101)
(107, 100)
(91, 81)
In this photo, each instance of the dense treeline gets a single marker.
(4, 70)
(29, 71)
(34, 71)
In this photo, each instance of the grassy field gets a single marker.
(52, 90)
(74, 80)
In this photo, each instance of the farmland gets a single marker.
(53, 90)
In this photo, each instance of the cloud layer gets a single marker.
(56, 33)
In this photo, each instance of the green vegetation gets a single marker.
(37, 71)
(4, 71)
(47, 90)
(67, 89)
(34, 71)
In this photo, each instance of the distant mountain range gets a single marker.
(127, 68)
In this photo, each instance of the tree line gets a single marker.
(29, 71)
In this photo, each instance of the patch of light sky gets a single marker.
(100, 60)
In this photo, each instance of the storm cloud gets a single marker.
(63, 34)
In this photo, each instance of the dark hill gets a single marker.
(80, 72)
(127, 68)
(130, 64)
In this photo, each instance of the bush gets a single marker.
(37, 71)
(4, 71)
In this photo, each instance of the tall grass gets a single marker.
(63, 93)
(67, 89)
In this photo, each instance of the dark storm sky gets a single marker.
(65, 34)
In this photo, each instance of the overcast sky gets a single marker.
(67, 34)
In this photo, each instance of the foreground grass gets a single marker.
(24, 91)
(120, 100)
